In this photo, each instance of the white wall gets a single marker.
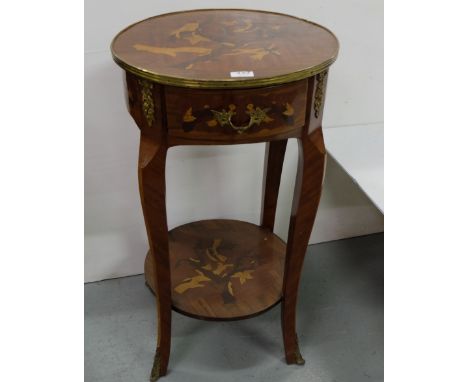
(220, 181)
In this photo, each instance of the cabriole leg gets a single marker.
(274, 157)
(309, 179)
(152, 182)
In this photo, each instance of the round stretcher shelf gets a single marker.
(223, 269)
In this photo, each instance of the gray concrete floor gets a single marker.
(340, 327)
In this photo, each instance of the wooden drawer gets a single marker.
(234, 116)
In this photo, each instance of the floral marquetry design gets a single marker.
(193, 34)
(222, 269)
(215, 48)
(211, 266)
(224, 77)
(229, 117)
(188, 116)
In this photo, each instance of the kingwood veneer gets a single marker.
(220, 77)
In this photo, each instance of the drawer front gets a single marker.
(234, 116)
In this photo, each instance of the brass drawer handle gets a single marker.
(257, 116)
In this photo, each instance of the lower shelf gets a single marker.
(223, 269)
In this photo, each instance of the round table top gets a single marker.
(219, 48)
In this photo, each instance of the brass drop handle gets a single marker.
(257, 116)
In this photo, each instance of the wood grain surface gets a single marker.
(152, 182)
(307, 192)
(191, 114)
(223, 269)
(193, 47)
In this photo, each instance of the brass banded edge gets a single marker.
(223, 84)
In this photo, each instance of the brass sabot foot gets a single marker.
(156, 370)
(298, 358)
(297, 354)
